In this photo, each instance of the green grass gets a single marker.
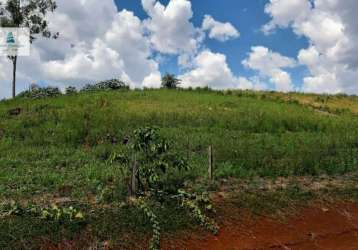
(65, 141)
(59, 147)
(101, 224)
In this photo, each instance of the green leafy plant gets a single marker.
(196, 204)
(152, 154)
(52, 213)
(10, 208)
(154, 158)
(59, 214)
(143, 204)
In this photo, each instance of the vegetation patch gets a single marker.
(80, 150)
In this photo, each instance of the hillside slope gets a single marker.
(272, 152)
(65, 141)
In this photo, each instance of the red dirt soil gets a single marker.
(313, 228)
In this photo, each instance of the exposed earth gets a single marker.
(333, 227)
(316, 227)
(324, 223)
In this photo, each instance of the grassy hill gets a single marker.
(59, 147)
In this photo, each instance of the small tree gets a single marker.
(152, 154)
(32, 16)
(154, 157)
(169, 81)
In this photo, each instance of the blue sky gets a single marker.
(248, 16)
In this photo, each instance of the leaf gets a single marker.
(79, 216)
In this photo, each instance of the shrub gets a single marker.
(89, 87)
(71, 90)
(37, 92)
(204, 89)
(113, 84)
(154, 157)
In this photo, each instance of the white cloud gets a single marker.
(212, 70)
(121, 51)
(218, 30)
(244, 83)
(309, 56)
(265, 60)
(79, 22)
(322, 83)
(154, 80)
(285, 12)
(126, 36)
(331, 29)
(270, 64)
(99, 62)
(170, 28)
(282, 80)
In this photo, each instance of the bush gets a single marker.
(89, 87)
(154, 157)
(203, 89)
(37, 92)
(71, 90)
(113, 84)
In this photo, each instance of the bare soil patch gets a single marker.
(333, 227)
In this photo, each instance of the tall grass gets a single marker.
(65, 141)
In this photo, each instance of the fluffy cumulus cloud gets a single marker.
(154, 80)
(170, 28)
(126, 36)
(85, 65)
(218, 30)
(271, 64)
(212, 70)
(330, 27)
(117, 49)
(285, 12)
(80, 23)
